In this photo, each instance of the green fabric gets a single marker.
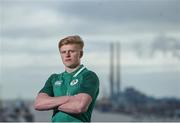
(69, 84)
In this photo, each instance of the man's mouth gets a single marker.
(67, 60)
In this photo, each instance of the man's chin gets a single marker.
(72, 66)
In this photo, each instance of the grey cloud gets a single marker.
(29, 47)
(161, 43)
(166, 44)
(97, 46)
(29, 33)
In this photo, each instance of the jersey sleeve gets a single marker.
(48, 87)
(90, 84)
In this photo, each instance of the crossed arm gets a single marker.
(72, 104)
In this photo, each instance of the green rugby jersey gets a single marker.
(81, 80)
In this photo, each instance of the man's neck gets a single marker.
(70, 70)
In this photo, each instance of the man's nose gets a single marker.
(67, 54)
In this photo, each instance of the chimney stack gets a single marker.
(111, 69)
(115, 68)
(118, 68)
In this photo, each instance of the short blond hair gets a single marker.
(75, 39)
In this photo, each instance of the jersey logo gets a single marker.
(73, 82)
(58, 83)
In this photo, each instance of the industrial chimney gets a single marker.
(115, 68)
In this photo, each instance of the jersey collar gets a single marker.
(77, 71)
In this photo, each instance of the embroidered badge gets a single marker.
(73, 82)
(58, 83)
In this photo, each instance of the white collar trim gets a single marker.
(79, 71)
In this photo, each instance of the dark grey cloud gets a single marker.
(123, 11)
(90, 17)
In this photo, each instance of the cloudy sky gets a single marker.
(148, 31)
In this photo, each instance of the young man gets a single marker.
(71, 94)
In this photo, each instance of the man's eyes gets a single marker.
(70, 51)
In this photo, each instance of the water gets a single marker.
(45, 116)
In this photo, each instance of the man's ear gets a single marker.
(81, 54)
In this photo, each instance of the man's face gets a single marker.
(70, 55)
